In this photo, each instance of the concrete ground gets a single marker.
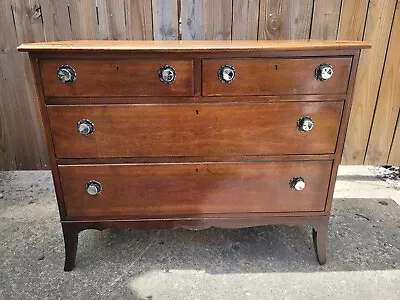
(272, 262)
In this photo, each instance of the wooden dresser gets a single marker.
(166, 134)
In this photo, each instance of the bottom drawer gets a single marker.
(156, 190)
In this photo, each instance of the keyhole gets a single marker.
(276, 67)
(117, 68)
(197, 170)
(197, 112)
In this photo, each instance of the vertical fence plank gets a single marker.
(165, 19)
(285, 19)
(111, 19)
(218, 19)
(352, 19)
(56, 23)
(29, 28)
(325, 21)
(377, 31)
(388, 103)
(83, 18)
(394, 155)
(139, 19)
(192, 15)
(245, 19)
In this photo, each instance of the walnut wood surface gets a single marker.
(192, 46)
(275, 76)
(196, 188)
(117, 78)
(195, 130)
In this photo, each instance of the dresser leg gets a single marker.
(71, 245)
(320, 234)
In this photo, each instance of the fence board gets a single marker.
(192, 14)
(377, 31)
(218, 20)
(245, 19)
(325, 21)
(83, 18)
(165, 20)
(56, 23)
(111, 19)
(285, 19)
(139, 19)
(352, 19)
(394, 156)
(388, 102)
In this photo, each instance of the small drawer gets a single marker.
(275, 76)
(64, 77)
(195, 129)
(156, 190)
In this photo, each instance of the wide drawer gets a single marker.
(155, 190)
(275, 76)
(195, 129)
(117, 78)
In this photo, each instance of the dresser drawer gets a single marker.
(116, 77)
(194, 129)
(273, 76)
(194, 188)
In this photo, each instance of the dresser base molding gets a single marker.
(71, 229)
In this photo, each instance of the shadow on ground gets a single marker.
(364, 235)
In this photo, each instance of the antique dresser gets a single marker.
(166, 134)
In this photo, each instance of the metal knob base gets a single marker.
(66, 74)
(323, 72)
(297, 183)
(93, 187)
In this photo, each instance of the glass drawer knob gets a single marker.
(226, 74)
(85, 127)
(66, 74)
(167, 74)
(323, 72)
(297, 183)
(93, 187)
(305, 124)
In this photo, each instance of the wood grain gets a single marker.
(56, 22)
(83, 18)
(111, 19)
(198, 188)
(139, 19)
(288, 19)
(192, 15)
(388, 103)
(218, 20)
(165, 20)
(352, 19)
(394, 155)
(275, 76)
(195, 130)
(325, 20)
(245, 19)
(377, 31)
(118, 78)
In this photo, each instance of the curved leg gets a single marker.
(320, 234)
(71, 245)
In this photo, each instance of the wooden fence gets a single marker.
(374, 133)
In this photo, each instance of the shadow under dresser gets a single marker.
(193, 134)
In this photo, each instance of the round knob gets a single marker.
(305, 124)
(226, 74)
(85, 127)
(167, 74)
(323, 72)
(297, 183)
(66, 74)
(93, 187)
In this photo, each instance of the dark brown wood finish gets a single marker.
(168, 157)
(275, 76)
(114, 77)
(195, 130)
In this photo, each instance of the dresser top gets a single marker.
(194, 46)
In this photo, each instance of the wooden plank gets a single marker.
(377, 31)
(218, 20)
(165, 19)
(388, 104)
(325, 20)
(281, 19)
(192, 15)
(352, 19)
(245, 19)
(111, 18)
(139, 19)
(29, 28)
(55, 16)
(394, 155)
(83, 18)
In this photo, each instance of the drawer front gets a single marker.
(275, 76)
(195, 130)
(117, 78)
(156, 190)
